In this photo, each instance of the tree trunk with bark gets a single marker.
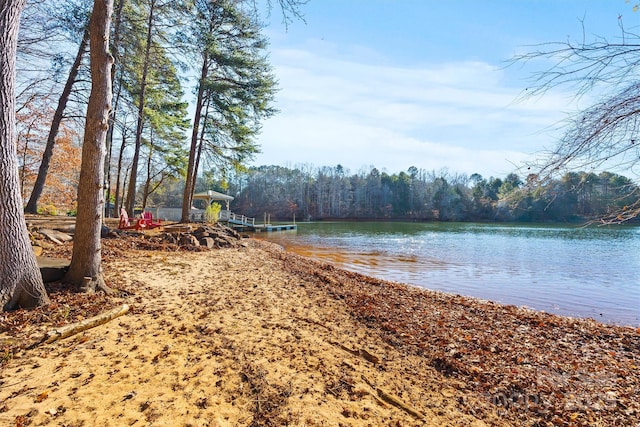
(190, 180)
(199, 148)
(117, 204)
(117, 198)
(147, 182)
(86, 257)
(131, 191)
(20, 280)
(32, 205)
(115, 50)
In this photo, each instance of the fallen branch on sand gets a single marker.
(392, 400)
(74, 328)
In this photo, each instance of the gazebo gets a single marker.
(211, 196)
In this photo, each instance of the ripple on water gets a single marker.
(579, 272)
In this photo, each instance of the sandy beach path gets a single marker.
(226, 338)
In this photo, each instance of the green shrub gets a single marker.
(212, 213)
(47, 210)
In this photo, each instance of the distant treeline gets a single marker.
(333, 193)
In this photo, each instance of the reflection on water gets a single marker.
(586, 272)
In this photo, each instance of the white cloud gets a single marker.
(460, 116)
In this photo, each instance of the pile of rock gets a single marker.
(183, 235)
(208, 236)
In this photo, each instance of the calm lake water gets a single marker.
(581, 272)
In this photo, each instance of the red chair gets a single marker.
(147, 217)
(127, 224)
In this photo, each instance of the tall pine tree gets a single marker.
(234, 91)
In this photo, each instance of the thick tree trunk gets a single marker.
(20, 280)
(32, 205)
(86, 257)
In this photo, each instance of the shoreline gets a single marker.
(532, 352)
(267, 337)
(310, 252)
(439, 259)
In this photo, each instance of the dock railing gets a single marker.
(236, 219)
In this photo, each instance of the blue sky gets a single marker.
(400, 83)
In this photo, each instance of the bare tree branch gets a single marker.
(606, 134)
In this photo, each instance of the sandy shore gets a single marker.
(256, 336)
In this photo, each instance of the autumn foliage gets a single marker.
(59, 195)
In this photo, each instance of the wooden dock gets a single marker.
(243, 223)
(270, 227)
